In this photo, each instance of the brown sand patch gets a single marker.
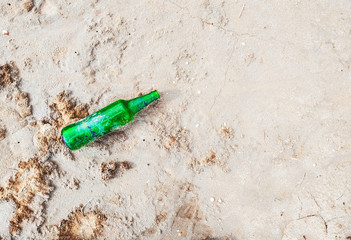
(188, 222)
(195, 165)
(23, 106)
(9, 77)
(124, 165)
(2, 133)
(226, 132)
(82, 226)
(28, 5)
(29, 188)
(8, 74)
(172, 136)
(63, 110)
(72, 184)
(110, 169)
(211, 159)
(161, 217)
(178, 139)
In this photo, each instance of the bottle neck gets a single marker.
(138, 103)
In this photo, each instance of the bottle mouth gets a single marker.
(156, 94)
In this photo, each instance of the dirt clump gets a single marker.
(124, 165)
(8, 74)
(226, 132)
(29, 188)
(28, 5)
(110, 169)
(9, 77)
(23, 106)
(178, 140)
(3, 132)
(211, 159)
(63, 110)
(161, 217)
(82, 226)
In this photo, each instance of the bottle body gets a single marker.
(107, 119)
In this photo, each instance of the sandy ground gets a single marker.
(250, 139)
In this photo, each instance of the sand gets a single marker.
(249, 140)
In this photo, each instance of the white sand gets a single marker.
(250, 139)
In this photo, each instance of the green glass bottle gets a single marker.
(107, 119)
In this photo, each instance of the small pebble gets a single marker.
(219, 200)
(199, 92)
(197, 125)
(212, 199)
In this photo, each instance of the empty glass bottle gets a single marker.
(107, 119)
